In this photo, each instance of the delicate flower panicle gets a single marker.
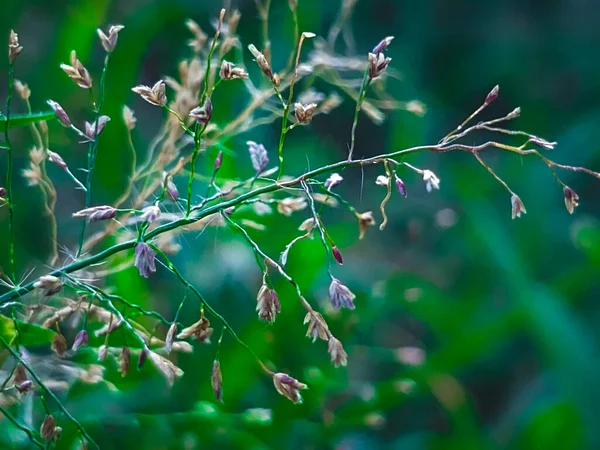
(110, 42)
(150, 213)
(304, 113)
(57, 159)
(340, 296)
(571, 199)
(259, 156)
(377, 64)
(200, 330)
(230, 72)
(154, 95)
(202, 114)
(335, 179)
(264, 65)
(14, 49)
(431, 181)
(90, 128)
(337, 255)
(267, 304)
(216, 381)
(400, 185)
(144, 259)
(518, 207)
(317, 327)
(97, 213)
(288, 387)
(61, 114)
(49, 284)
(493, 95)
(77, 72)
(81, 340)
(337, 352)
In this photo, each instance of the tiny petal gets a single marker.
(431, 180)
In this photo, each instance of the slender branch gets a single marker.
(9, 170)
(361, 98)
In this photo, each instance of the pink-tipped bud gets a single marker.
(60, 113)
(219, 161)
(400, 185)
(493, 95)
(337, 255)
(81, 339)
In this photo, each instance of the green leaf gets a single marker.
(24, 120)
(30, 334)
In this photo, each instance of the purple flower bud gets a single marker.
(380, 48)
(219, 161)
(493, 95)
(61, 115)
(171, 189)
(90, 128)
(24, 386)
(340, 296)
(57, 159)
(3, 191)
(81, 339)
(400, 185)
(144, 259)
(97, 213)
(337, 255)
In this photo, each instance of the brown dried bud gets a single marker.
(377, 64)
(109, 42)
(230, 72)
(59, 345)
(431, 181)
(203, 114)
(518, 207)
(264, 65)
(337, 352)
(493, 95)
(92, 130)
(365, 220)
(216, 381)
(288, 387)
(14, 49)
(129, 118)
(96, 213)
(124, 361)
(543, 143)
(317, 327)
(77, 72)
(400, 185)
(571, 199)
(150, 213)
(170, 337)
(47, 428)
(144, 259)
(102, 352)
(200, 330)
(304, 113)
(81, 339)
(154, 95)
(61, 115)
(267, 304)
(57, 159)
(380, 48)
(143, 356)
(22, 90)
(337, 255)
(340, 296)
(49, 284)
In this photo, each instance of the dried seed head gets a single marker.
(170, 337)
(96, 213)
(171, 189)
(381, 47)
(22, 90)
(129, 117)
(59, 345)
(57, 159)
(377, 64)
(150, 213)
(124, 361)
(337, 352)
(288, 387)
(109, 42)
(264, 65)
(216, 381)
(144, 259)
(166, 368)
(267, 304)
(382, 180)
(49, 284)
(143, 356)
(259, 156)
(77, 72)
(154, 95)
(289, 205)
(317, 327)
(47, 428)
(514, 114)
(230, 72)
(365, 220)
(81, 340)
(400, 185)
(304, 113)
(543, 143)
(571, 199)
(61, 115)
(340, 296)
(14, 49)
(202, 114)
(200, 330)
(337, 255)
(335, 179)
(431, 181)
(90, 128)
(493, 95)
(518, 207)
(102, 352)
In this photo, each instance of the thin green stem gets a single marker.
(9, 171)
(361, 98)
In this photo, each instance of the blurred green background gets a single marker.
(471, 331)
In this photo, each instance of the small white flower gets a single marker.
(382, 180)
(431, 181)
